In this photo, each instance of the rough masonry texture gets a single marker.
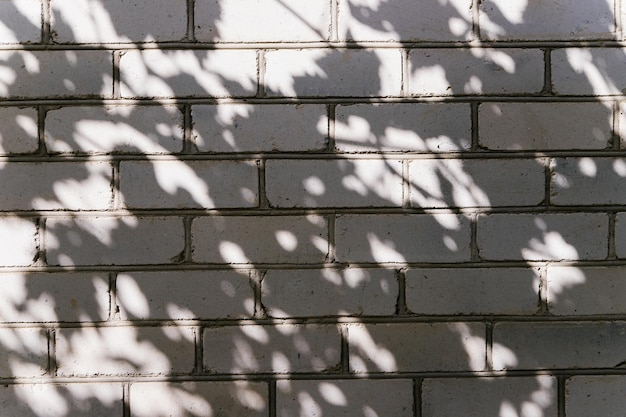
(312, 208)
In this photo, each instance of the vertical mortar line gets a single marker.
(332, 257)
(345, 348)
(331, 111)
(617, 10)
(272, 397)
(475, 253)
(260, 76)
(126, 399)
(263, 203)
(615, 136)
(191, 30)
(40, 242)
(474, 146)
(406, 184)
(46, 14)
(334, 20)
(544, 308)
(547, 72)
(405, 73)
(417, 397)
(113, 307)
(256, 282)
(52, 352)
(560, 401)
(475, 6)
(117, 56)
(188, 140)
(187, 236)
(489, 345)
(612, 254)
(547, 196)
(116, 204)
(198, 356)
(41, 130)
(401, 308)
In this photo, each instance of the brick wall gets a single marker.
(312, 208)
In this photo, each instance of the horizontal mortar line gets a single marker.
(312, 155)
(329, 376)
(321, 320)
(319, 44)
(342, 100)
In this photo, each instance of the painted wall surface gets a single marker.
(408, 208)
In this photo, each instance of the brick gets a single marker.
(63, 185)
(106, 21)
(91, 351)
(324, 72)
(432, 127)
(586, 290)
(184, 295)
(260, 128)
(429, 20)
(600, 395)
(273, 239)
(452, 72)
(532, 396)
(417, 347)
(538, 20)
(22, 248)
(476, 182)
(114, 241)
(329, 292)
(334, 183)
(620, 235)
(95, 399)
(57, 74)
(18, 130)
(555, 236)
(283, 21)
(24, 352)
(451, 291)
(587, 181)
(189, 184)
(214, 398)
(588, 71)
(349, 398)
(21, 21)
(402, 238)
(114, 129)
(283, 348)
(189, 73)
(539, 126)
(51, 297)
(558, 345)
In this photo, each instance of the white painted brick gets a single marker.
(620, 235)
(587, 181)
(417, 347)
(105, 21)
(262, 21)
(51, 74)
(534, 126)
(283, 348)
(63, 185)
(91, 351)
(214, 398)
(265, 239)
(189, 184)
(563, 236)
(402, 238)
(18, 130)
(169, 73)
(348, 398)
(447, 72)
(50, 297)
(468, 291)
(476, 182)
(404, 20)
(620, 121)
(586, 290)
(329, 292)
(115, 129)
(23, 352)
(432, 127)
(179, 295)
(260, 128)
(95, 399)
(558, 345)
(539, 20)
(111, 240)
(334, 183)
(595, 395)
(339, 72)
(21, 249)
(531, 396)
(21, 21)
(588, 71)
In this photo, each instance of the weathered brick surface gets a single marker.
(620, 235)
(23, 352)
(598, 394)
(587, 181)
(21, 21)
(588, 71)
(21, 248)
(18, 132)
